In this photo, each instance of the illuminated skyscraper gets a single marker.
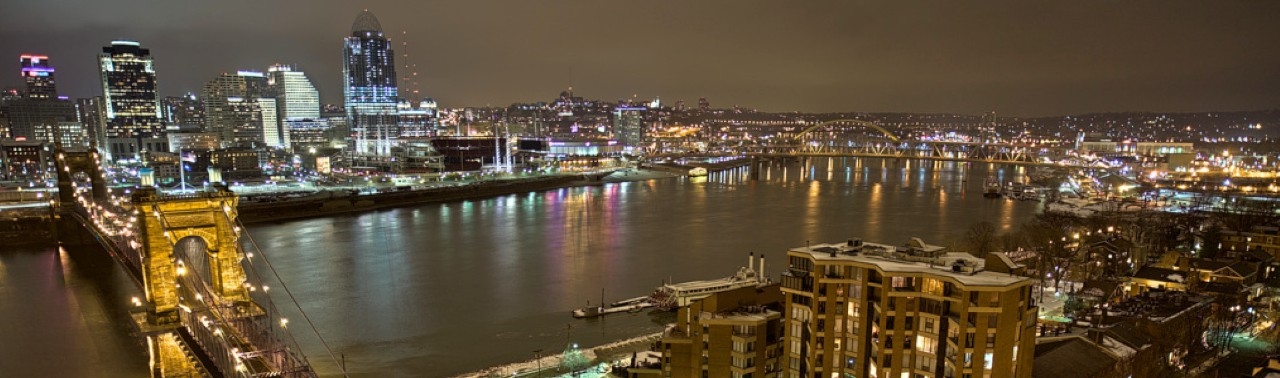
(186, 112)
(129, 95)
(38, 112)
(296, 98)
(629, 126)
(38, 74)
(241, 110)
(369, 90)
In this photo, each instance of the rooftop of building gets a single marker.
(1071, 356)
(914, 256)
(751, 313)
(1155, 305)
(366, 22)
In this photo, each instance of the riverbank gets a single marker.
(604, 355)
(342, 203)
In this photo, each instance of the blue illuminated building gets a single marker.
(369, 75)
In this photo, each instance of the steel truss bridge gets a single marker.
(857, 138)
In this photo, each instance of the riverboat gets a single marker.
(991, 187)
(674, 295)
(698, 172)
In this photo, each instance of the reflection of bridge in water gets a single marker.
(206, 312)
(857, 138)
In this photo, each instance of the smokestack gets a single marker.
(762, 277)
(751, 261)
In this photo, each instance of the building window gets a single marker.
(902, 284)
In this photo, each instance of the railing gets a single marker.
(242, 339)
(798, 283)
(116, 241)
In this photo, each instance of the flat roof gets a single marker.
(941, 266)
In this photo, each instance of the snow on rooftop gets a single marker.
(875, 254)
(1117, 348)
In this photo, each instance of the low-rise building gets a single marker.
(735, 333)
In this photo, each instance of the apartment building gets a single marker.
(735, 333)
(858, 309)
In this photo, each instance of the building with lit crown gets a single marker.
(369, 86)
(38, 75)
(129, 95)
(871, 310)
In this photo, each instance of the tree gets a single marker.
(1243, 214)
(982, 238)
(1211, 242)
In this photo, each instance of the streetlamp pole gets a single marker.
(537, 356)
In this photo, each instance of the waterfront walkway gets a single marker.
(601, 358)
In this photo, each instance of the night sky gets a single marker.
(1014, 57)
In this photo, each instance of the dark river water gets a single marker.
(443, 289)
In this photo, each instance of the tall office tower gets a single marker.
(628, 126)
(239, 108)
(92, 113)
(37, 113)
(703, 104)
(873, 310)
(38, 74)
(186, 112)
(129, 95)
(296, 98)
(369, 78)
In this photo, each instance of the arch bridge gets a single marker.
(205, 310)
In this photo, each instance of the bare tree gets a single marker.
(982, 238)
(1047, 234)
(1240, 213)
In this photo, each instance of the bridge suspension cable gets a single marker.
(285, 287)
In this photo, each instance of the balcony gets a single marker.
(804, 284)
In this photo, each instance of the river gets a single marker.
(443, 289)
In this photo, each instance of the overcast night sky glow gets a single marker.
(1015, 57)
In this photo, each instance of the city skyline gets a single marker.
(1013, 58)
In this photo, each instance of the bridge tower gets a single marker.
(167, 221)
(68, 163)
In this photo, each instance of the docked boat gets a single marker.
(991, 187)
(674, 295)
(629, 305)
(698, 172)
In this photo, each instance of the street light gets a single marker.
(537, 356)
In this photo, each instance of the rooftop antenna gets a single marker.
(410, 69)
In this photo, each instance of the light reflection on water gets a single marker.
(440, 289)
(479, 283)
